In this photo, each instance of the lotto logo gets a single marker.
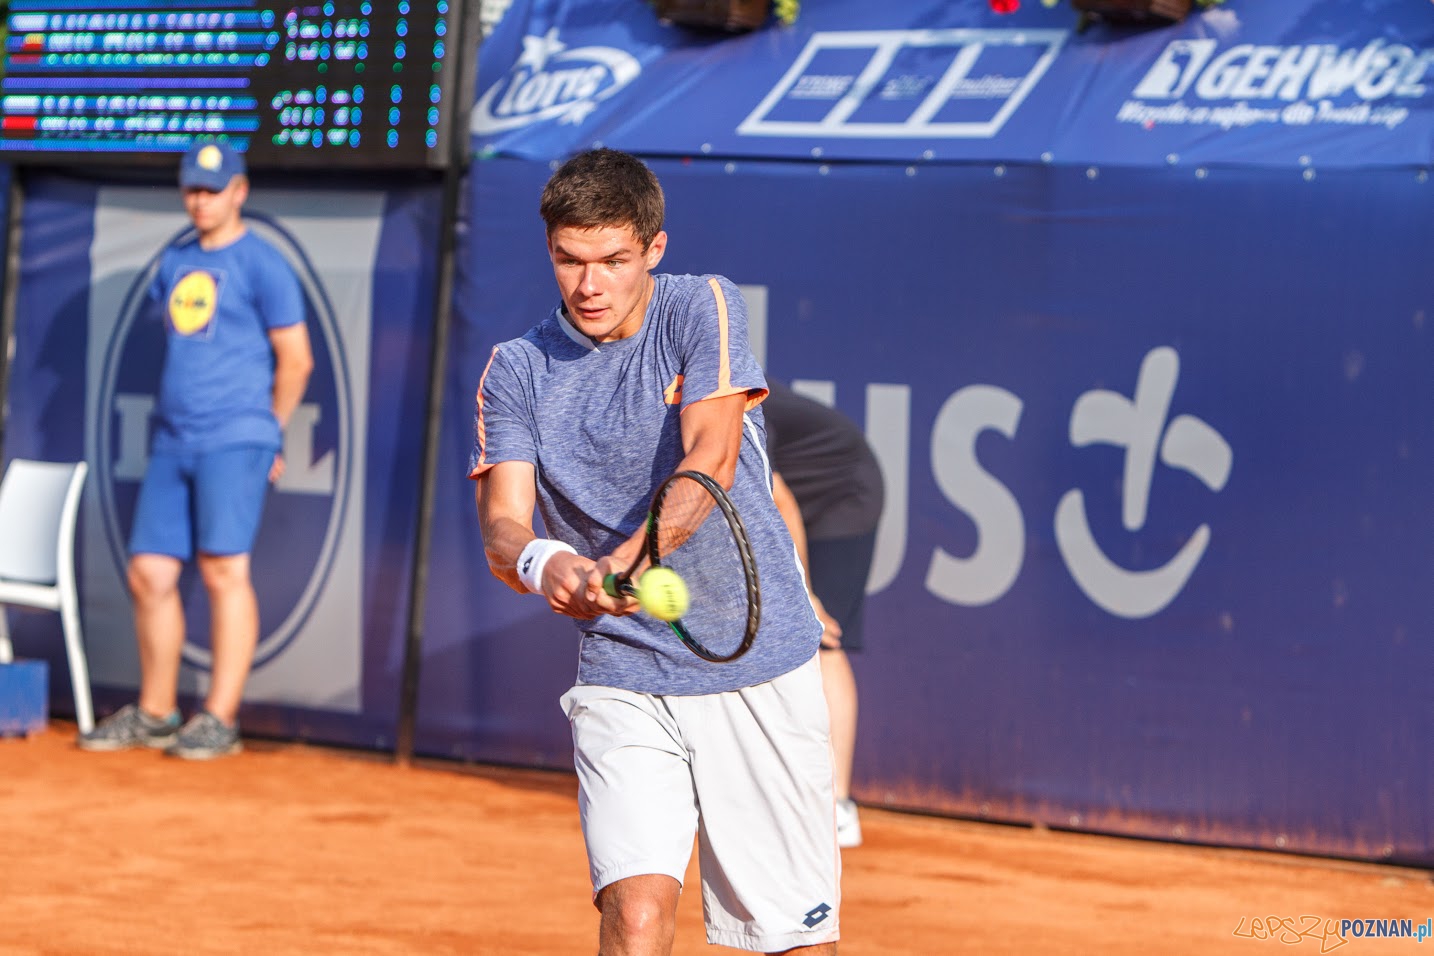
(551, 81)
(815, 915)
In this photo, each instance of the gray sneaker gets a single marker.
(130, 727)
(205, 737)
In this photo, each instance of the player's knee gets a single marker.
(630, 916)
(645, 921)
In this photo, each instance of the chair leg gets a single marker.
(7, 653)
(79, 667)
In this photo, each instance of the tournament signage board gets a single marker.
(1309, 84)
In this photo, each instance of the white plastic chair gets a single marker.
(39, 502)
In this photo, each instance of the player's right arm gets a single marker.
(506, 495)
(505, 498)
(506, 491)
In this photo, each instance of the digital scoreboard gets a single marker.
(331, 84)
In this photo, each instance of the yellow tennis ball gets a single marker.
(662, 593)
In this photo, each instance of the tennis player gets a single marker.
(632, 377)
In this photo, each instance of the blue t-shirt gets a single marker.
(218, 306)
(601, 424)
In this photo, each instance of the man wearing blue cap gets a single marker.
(236, 365)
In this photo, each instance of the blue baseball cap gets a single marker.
(210, 165)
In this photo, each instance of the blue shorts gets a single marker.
(208, 502)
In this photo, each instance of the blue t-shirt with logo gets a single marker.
(601, 424)
(218, 305)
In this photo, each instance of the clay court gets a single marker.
(291, 849)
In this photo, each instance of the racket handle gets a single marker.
(609, 584)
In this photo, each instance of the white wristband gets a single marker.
(534, 557)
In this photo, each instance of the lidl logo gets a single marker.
(210, 158)
(192, 302)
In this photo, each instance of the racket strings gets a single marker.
(695, 540)
(684, 508)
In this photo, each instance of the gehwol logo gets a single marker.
(1195, 82)
(549, 81)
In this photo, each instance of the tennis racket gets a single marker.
(694, 530)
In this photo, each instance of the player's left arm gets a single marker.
(722, 378)
(710, 427)
(712, 436)
(711, 442)
(293, 363)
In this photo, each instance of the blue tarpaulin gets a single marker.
(1138, 322)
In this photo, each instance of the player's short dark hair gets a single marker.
(604, 187)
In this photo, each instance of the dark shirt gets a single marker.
(824, 458)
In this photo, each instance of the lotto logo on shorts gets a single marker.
(816, 914)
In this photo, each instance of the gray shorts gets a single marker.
(757, 762)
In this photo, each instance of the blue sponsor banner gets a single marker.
(334, 554)
(1157, 462)
(1305, 83)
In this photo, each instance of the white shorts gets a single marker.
(747, 773)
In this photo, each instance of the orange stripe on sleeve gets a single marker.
(724, 373)
(480, 430)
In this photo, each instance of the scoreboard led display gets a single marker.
(358, 84)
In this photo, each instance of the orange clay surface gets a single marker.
(293, 849)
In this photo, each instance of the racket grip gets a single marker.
(609, 584)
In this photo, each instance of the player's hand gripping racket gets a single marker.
(694, 531)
